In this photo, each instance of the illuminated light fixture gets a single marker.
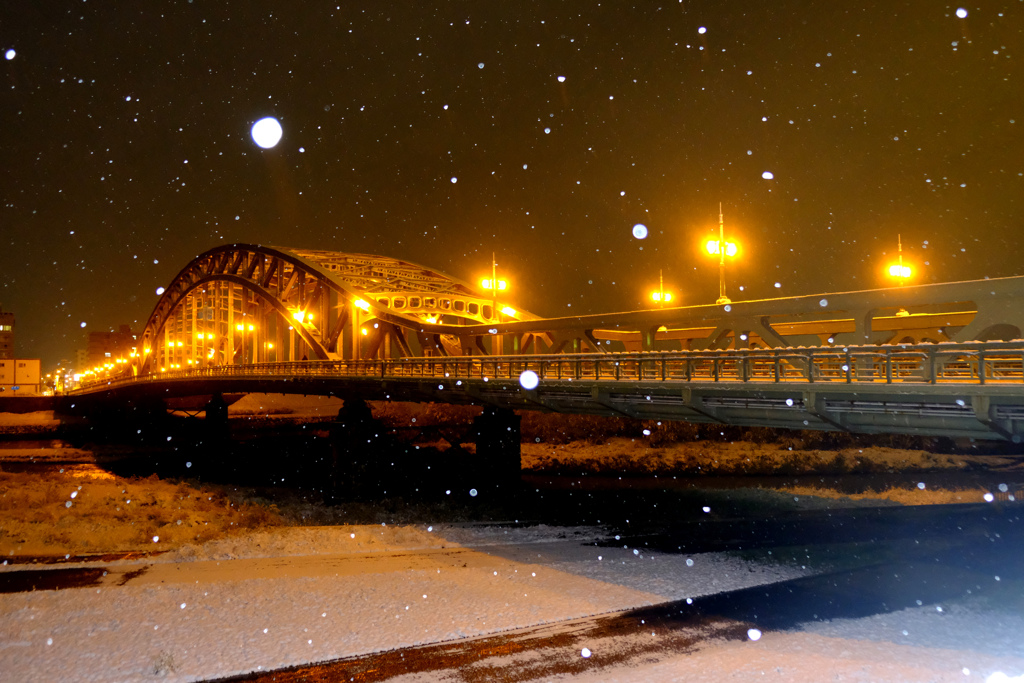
(900, 271)
(270, 345)
(359, 303)
(660, 296)
(712, 247)
(509, 311)
(145, 351)
(163, 369)
(240, 327)
(486, 284)
(363, 330)
(251, 328)
(432, 319)
(210, 354)
(181, 343)
(299, 315)
(200, 335)
(209, 335)
(721, 248)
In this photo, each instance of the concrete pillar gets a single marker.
(216, 424)
(498, 452)
(355, 439)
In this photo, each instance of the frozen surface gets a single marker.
(292, 596)
(235, 607)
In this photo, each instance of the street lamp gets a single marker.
(494, 285)
(898, 270)
(660, 296)
(721, 248)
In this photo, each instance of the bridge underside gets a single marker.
(978, 412)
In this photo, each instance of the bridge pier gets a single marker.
(355, 441)
(497, 434)
(215, 427)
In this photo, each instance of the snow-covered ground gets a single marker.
(291, 596)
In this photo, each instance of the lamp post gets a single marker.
(900, 271)
(661, 296)
(493, 284)
(722, 249)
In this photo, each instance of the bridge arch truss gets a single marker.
(242, 304)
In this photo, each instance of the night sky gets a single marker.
(542, 131)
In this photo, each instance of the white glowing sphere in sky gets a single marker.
(267, 132)
(561, 79)
(753, 634)
(83, 324)
(159, 291)
(529, 380)
(767, 175)
(640, 231)
(960, 12)
(702, 30)
(10, 54)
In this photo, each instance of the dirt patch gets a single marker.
(60, 513)
(620, 455)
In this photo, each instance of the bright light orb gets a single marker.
(640, 231)
(267, 132)
(454, 180)
(753, 634)
(767, 175)
(702, 30)
(159, 291)
(960, 12)
(83, 324)
(528, 380)
(10, 54)
(561, 79)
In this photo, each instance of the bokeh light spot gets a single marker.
(267, 132)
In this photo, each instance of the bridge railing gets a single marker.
(978, 363)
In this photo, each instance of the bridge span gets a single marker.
(929, 359)
(950, 389)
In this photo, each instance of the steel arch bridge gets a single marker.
(244, 304)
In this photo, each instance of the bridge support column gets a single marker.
(216, 423)
(498, 452)
(355, 439)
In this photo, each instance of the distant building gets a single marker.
(20, 376)
(107, 347)
(6, 334)
(81, 360)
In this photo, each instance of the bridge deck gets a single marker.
(961, 390)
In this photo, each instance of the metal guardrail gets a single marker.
(950, 363)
